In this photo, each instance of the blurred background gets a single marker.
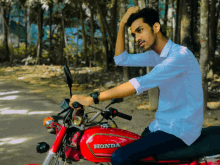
(82, 33)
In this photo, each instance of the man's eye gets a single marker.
(140, 30)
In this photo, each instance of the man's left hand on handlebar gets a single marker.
(83, 100)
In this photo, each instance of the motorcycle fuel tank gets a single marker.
(98, 144)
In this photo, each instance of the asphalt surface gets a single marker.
(21, 125)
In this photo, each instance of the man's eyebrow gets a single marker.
(135, 31)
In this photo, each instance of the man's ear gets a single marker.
(156, 27)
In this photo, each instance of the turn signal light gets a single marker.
(47, 120)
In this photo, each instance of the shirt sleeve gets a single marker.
(141, 59)
(168, 69)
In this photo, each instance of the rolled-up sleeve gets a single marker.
(169, 68)
(141, 59)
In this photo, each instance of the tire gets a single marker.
(59, 161)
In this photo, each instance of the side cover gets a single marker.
(98, 144)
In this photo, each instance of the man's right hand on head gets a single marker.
(130, 11)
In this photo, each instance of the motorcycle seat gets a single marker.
(206, 145)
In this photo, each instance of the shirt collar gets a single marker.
(166, 49)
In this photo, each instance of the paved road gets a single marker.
(21, 125)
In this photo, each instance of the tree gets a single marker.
(92, 31)
(50, 42)
(5, 12)
(104, 40)
(40, 31)
(83, 34)
(172, 19)
(178, 21)
(122, 12)
(102, 10)
(213, 19)
(23, 4)
(113, 27)
(187, 24)
(165, 17)
(204, 49)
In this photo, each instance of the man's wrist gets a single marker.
(121, 25)
(95, 96)
(90, 100)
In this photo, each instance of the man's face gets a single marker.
(143, 34)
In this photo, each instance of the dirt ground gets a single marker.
(50, 81)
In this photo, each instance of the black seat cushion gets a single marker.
(207, 144)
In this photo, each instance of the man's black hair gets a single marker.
(149, 15)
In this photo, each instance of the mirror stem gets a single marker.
(70, 92)
(108, 105)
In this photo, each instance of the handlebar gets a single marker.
(107, 113)
(77, 105)
(124, 116)
(114, 112)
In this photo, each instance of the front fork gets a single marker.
(56, 145)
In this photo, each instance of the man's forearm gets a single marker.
(123, 90)
(120, 43)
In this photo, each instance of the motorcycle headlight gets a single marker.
(77, 121)
(47, 122)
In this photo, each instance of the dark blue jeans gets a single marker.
(151, 143)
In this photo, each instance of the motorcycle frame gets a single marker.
(61, 132)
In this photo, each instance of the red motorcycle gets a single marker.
(79, 137)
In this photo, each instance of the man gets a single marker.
(178, 121)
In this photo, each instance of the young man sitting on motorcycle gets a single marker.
(178, 121)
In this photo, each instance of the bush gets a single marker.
(19, 53)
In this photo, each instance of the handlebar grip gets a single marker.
(122, 115)
(77, 105)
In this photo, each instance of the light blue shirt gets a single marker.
(177, 74)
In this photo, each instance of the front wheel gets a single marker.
(53, 159)
(57, 161)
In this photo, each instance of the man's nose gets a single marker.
(137, 38)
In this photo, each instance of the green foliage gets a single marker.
(19, 53)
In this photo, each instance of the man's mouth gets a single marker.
(141, 43)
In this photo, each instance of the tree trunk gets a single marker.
(186, 28)
(26, 41)
(172, 35)
(104, 43)
(122, 12)
(113, 25)
(5, 22)
(65, 40)
(212, 34)
(165, 18)
(104, 21)
(40, 24)
(60, 61)
(153, 93)
(195, 28)
(77, 45)
(19, 10)
(178, 21)
(204, 49)
(84, 36)
(50, 41)
(92, 33)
